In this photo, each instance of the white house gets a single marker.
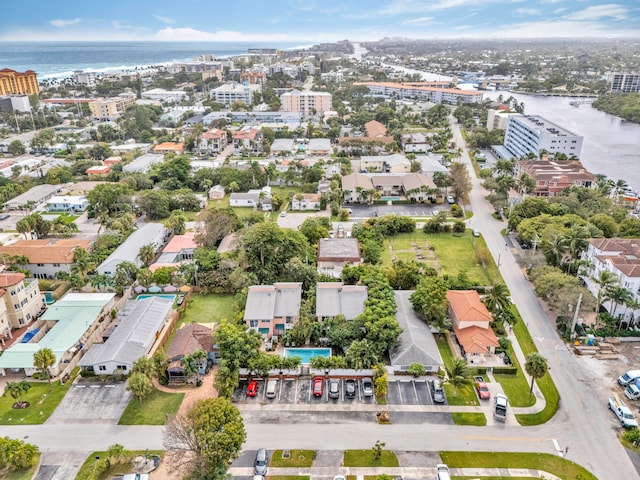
(149, 233)
(252, 198)
(309, 201)
(68, 203)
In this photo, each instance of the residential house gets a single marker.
(69, 203)
(336, 253)
(621, 257)
(162, 95)
(416, 343)
(335, 298)
(45, 257)
(471, 325)
(282, 146)
(32, 198)
(64, 328)
(360, 188)
(319, 146)
(375, 129)
(139, 325)
(395, 163)
(430, 164)
(98, 170)
(308, 201)
(415, 143)
(147, 234)
(272, 309)
(188, 340)
(253, 198)
(216, 192)
(143, 163)
(212, 141)
(553, 177)
(169, 147)
(180, 249)
(247, 139)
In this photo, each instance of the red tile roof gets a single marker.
(7, 279)
(467, 306)
(476, 339)
(181, 242)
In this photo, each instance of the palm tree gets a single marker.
(556, 247)
(536, 367)
(604, 280)
(147, 253)
(81, 263)
(633, 305)
(526, 184)
(458, 375)
(43, 360)
(618, 295)
(16, 390)
(498, 298)
(361, 354)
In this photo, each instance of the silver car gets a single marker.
(367, 387)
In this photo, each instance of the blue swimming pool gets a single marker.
(306, 354)
(142, 296)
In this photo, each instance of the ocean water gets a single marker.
(60, 59)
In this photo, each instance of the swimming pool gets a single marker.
(306, 354)
(142, 296)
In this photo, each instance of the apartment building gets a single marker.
(112, 108)
(22, 298)
(408, 91)
(18, 83)
(43, 257)
(272, 309)
(625, 83)
(307, 102)
(553, 177)
(15, 103)
(85, 78)
(527, 134)
(231, 93)
(213, 141)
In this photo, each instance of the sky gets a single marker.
(315, 20)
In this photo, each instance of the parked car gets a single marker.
(476, 233)
(367, 387)
(283, 214)
(450, 199)
(261, 462)
(481, 388)
(350, 388)
(318, 386)
(4, 216)
(437, 392)
(442, 472)
(252, 388)
(334, 388)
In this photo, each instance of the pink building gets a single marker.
(272, 309)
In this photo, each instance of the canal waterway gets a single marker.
(611, 145)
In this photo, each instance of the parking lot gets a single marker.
(409, 392)
(299, 391)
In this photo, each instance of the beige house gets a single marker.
(216, 192)
(272, 309)
(21, 302)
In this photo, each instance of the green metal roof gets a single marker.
(73, 316)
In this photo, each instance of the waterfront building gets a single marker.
(85, 78)
(553, 177)
(112, 108)
(411, 91)
(15, 103)
(527, 134)
(625, 83)
(231, 93)
(12, 82)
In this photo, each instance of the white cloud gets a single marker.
(596, 12)
(194, 35)
(65, 23)
(162, 19)
(117, 25)
(527, 11)
(419, 21)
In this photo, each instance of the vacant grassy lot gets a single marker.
(124, 466)
(209, 308)
(153, 410)
(43, 403)
(454, 253)
(298, 459)
(553, 464)
(364, 458)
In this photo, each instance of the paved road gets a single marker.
(584, 421)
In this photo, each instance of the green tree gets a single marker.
(16, 148)
(100, 151)
(16, 390)
(16, 454)
(377, 449)
(176, 222)
(497, 299)
(362, 354)
(140, 386)
(604, 280)
(460, 181)
(536, 367)
(147, 253)
(458, 375)
(43, 360)
(430, 299)
(145, 366)
(211, 434)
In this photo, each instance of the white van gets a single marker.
(628, 377)
(272, 384)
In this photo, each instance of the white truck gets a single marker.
(624, 414)
(632, 391)
(500, 403)
(628, 377)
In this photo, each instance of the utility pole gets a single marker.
(535, 242)
(575, 317)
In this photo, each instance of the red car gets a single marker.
(252, 388)
(318, 386)
(482, 389)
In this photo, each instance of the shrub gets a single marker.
(506, 370)
(416, 370)
(456, 210)
(459, 227)
(87, 373)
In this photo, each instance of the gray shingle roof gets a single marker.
(334, 298)
(270, 301)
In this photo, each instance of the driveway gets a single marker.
(293, 220)
(92, 403)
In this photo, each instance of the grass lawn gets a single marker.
(453, 252)
(364, 458)
(299, 458)
(87, 469)
(152, 410)
(516, 387)
(475, 419)
(464, 396)
(43, 403)
(207, 308)
(26, 474)
(546, 385)
(561, 467)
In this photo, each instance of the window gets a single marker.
(122, 367)
(16, 306)
(56, 264)
(40, 264)
(21, 321)
(253, 323)
(13, 292)
(28, 317)
(102, 368)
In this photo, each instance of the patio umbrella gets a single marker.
(170, 288)
(185, 288)
(139, 289)
(155, 289)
